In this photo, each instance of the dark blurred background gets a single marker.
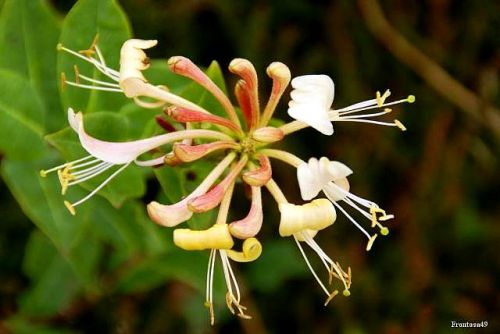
(440, 178)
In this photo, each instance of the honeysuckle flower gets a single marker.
(303, 222)
(312, 99)
(330, 177)
(104, 155)
(240, 144)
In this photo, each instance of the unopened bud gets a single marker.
(268, 134)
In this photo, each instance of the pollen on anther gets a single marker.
(370, 242)
(63, 80)
(330, 297)
(77, 74)
(400, 125)
(70, 207)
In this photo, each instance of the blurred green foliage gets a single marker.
(110, 269)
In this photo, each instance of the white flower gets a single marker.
(312, 98)
(103, 155)
(331, 178)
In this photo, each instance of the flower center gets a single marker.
(248, 146)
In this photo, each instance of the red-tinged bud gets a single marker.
(188, 153)
(185, 67)
(246, 71)
(261, 175)
(250, 225)
(184, 115)
(214, 196)
(241, 93)
(268, 134)
(280, 73)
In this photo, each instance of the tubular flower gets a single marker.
(240, 142)
(312, 99)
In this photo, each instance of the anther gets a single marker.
(77, 74)
(330, 297)
(400, 125)
(70, 207)
(370, 242)
(63, 80)
(381, 99)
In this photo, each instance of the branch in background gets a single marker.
(429, 70)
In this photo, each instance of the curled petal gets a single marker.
(216, 237)
(315, 215)
(133, 59)
(251, 251)
(312, 98)
(259, 177)
(251, 224)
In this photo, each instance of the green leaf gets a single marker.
(86, 19)
(189, 267)
(21, 118)
(41, 200)
(280, 260)
(105, 126)
(54, 282)
(30, 50)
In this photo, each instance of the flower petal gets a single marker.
(311, 101)
(114, 152)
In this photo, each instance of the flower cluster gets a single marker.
(242, 140)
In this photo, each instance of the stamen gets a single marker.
(70, 207)
(92, 87)
(351, 219)
(330, 297)
(99, 187)
(381, 99)
(400, 125)
(312, 270)
(77, 74)
(91, 50)
(99, 82)
(63, 81)
(44, 173)
(370, 242)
